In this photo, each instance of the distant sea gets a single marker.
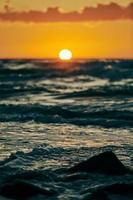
(54, 115)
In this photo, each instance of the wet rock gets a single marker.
(104, 163)
(120, 188)
(99, 195)
(104, 192)
(22, 190)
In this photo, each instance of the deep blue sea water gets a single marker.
(54, 115)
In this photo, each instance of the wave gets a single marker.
(57, 114)
(102, 91)
(100, 174)
(56, 119)
(107, 69)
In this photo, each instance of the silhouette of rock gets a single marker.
(120, 188)
(22, 190)
(104, 192)
(104, 163)
(98, 195)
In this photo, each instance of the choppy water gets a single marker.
(54, 115)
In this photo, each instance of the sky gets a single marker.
(66, 5)
(33, 30)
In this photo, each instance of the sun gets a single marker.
(65, 54)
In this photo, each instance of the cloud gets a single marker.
(112, 11)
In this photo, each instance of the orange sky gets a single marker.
(90, 39)
(66, 5)
(94, 39)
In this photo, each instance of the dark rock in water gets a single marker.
(103, 192)
(99, 195)
(104, 163)
(120, 188)
(22, 190)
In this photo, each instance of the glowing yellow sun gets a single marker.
(65, 54)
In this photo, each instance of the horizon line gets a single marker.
(73, 59)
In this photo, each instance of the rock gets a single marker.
(104, 163)
(104, 192)
(120, 188)
(99, 195)
(22, 190)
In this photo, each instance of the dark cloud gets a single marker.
(111, 11)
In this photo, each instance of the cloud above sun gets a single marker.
(111, 11)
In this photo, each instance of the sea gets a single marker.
(54, 115)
